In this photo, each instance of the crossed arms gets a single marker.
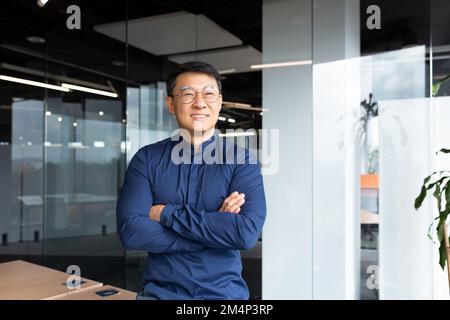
(171, 228)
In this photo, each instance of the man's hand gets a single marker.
(233, 203)
(155, 212)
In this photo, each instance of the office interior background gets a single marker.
(358, 127)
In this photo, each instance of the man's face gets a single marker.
(199, 116)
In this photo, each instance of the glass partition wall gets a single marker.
(82, 89)
(63, 89)
(342, 91)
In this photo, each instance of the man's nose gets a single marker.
(199, 102)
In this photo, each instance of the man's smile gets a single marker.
(199, 116)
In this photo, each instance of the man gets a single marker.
(192, 217)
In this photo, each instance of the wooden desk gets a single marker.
(90, 294)
(20, 280)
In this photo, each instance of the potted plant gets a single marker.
(367, 121)
(437, 85)
(439, 184)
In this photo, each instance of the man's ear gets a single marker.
(220, 102)
(169, 104)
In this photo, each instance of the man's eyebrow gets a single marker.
(189, 87)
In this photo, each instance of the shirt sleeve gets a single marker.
(224, 229)
(136, 230)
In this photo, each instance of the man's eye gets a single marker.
(187, 94)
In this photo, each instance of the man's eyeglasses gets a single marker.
(209, 93)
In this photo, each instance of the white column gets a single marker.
(287, 93)
(297, 203)
(406, 254)
(336, 152)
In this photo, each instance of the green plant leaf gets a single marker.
(423, 192)
(437, 85)
(443, 151)
(441, 192)
(431, 185)
(437, 195)
(429, 230)
(442, 254)
(419, 200)
(446, 195)
(425, 181)
(436, 88)
(440, 229)
(441, 236)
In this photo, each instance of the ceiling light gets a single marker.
(280, 64)
(49, 144)
(90, 90)
(75, 124)
(36, 39)
(33, 83)
(231, 120)
(242, 106)
(41, 3)
(237, 134)
(58, 78)
(99, 144)
(100, 113)
(48, 113)
(77, 145)
(118, 63)
(59, 119)
(125, 146)
(222, 119)
(441, 57)
(237, 104)
(227, 71)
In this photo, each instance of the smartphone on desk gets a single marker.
(107, 292)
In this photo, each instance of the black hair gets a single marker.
(192, 66)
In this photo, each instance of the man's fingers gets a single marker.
(236, 200)
(230, 197)
(236, 208)
(240, 202)
(233, 202)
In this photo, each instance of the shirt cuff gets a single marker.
(166, 215)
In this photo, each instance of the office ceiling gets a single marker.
(170, 33)
(100, 44)
(237, 23)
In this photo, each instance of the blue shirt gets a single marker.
(193, 252)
